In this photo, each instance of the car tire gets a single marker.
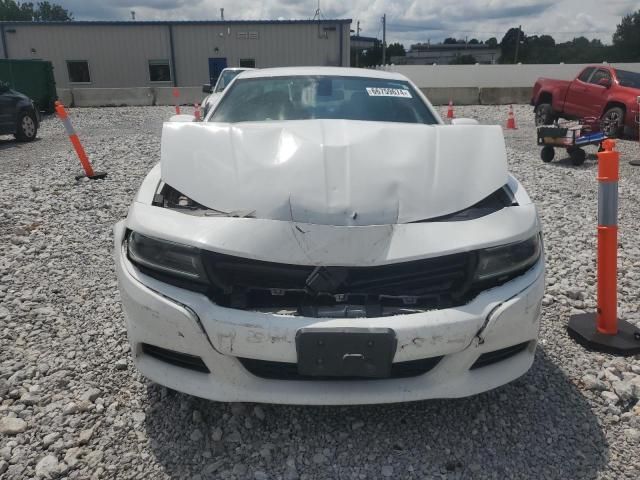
(613, 122)
(544, 114)
(547, 153)
(27, 127)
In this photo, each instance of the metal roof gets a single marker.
(175, 22)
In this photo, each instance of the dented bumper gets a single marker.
(183, 321)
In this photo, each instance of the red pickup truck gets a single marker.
(599, 91)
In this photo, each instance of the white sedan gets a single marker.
(324, 238)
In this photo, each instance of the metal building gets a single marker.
(171, 53)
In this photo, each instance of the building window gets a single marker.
(78, 71)
(247, 63)
(159, 71)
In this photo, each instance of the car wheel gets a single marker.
(544, 114)
(547, 153)
(27, 127)
(613, 122)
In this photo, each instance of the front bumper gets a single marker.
(165, 316)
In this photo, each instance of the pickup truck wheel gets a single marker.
(27, 127)
(547, 153)
(613, 122)
(544, 114)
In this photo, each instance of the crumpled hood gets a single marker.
(334, 172)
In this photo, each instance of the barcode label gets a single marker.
(388, 92)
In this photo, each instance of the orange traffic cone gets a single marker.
(176, 97)
(511, 119)
(450, 109)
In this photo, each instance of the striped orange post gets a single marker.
(608, 174)
(75, 141)
(176, 96)
(604, 331)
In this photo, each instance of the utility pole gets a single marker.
(384, 39)
(357, 40)
(515, 60)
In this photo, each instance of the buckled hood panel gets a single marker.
(334, 172)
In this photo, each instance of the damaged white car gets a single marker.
(324, 238)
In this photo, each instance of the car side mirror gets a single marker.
(604, 82)
(206, 88)
(464, 121)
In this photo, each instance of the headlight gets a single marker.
(167, 257)
(507, 259)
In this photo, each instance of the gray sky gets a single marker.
(408, 21)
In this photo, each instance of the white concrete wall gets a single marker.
(494, 76)
(133, 96)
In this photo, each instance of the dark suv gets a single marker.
(18, 116)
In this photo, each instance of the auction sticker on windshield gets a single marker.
(388, 92)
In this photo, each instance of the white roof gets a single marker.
(335, 71)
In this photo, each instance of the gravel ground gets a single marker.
(72, 405)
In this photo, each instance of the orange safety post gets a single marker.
(608, 174)
(176, 96)
(75, 141)
(604, 331)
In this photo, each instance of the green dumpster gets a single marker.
(34, 78)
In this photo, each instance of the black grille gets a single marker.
(496, 356)
(178, 359)
(289, 371)
(340, 291)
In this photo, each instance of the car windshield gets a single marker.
(225, 79)
(322, 97)
(628, 79)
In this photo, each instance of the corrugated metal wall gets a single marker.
(119, 53)
(268, 44)
(118, 56)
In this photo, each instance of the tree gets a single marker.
(626, 40)
(492, 42)
(371, 56)
(449, 41)
(51, 12)
(395, 50)
(463, 60)
(508, 46)
(474, 41)
(10, 10)
(546, 41)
